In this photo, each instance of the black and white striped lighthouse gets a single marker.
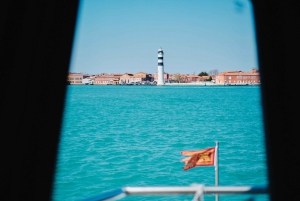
(160, 72)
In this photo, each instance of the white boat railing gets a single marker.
(197, 190)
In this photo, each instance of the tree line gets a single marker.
(183, 78)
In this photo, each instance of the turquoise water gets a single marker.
(117, 136)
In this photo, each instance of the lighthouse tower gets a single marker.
(160, 72)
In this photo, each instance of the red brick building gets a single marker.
(192, 78)
(107, 79)
(238, 77)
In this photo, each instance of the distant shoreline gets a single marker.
(172, 84)
(208, 84)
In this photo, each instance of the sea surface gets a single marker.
(117, 136)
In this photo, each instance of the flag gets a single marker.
(205, 157)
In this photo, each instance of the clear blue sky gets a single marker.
(118, 36)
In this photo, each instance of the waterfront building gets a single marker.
(213, 78)
(126, 78)
(160, 72)
(203, 78)
(142, 77)
(166, 77)
(92, 79)
(117, 77)
(192, 78)
(178, 78)
(86, 81)
(238, 77)
(76, 78)
(107, 79)
(170, 78)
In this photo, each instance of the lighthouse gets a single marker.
(160, 72)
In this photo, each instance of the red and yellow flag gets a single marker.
(205, 157)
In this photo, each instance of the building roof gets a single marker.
(127, 74)
(237, 73)
(193, 76)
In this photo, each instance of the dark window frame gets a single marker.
(36, 40)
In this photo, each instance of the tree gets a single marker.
(208, 79)
(179, 78)
(213, 72)
(203, 74)
(183, 78)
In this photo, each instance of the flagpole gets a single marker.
(217, 168)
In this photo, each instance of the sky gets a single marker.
(118, 36)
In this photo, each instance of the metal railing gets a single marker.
(197, 190)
